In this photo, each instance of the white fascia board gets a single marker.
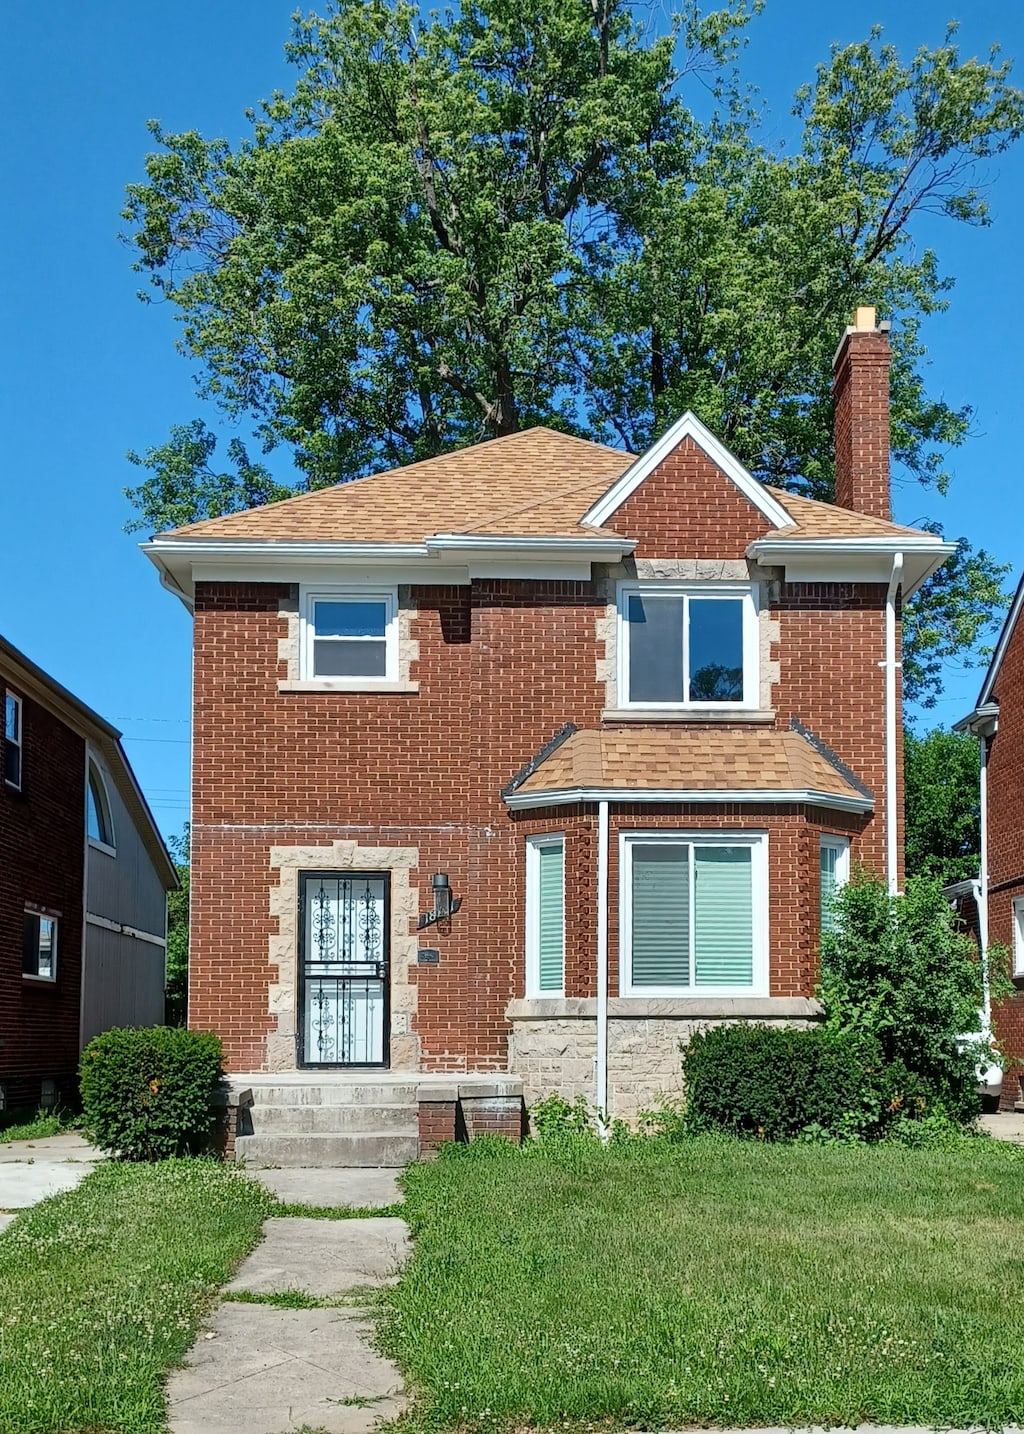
(985, 695)
(822, 560)
(779, 796)
(280, 550)
(982, 722)
(689, 426)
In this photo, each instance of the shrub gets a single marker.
(899, 970)
(780, 1083)
(555, 1116)
(148, 1094)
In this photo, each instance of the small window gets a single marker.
(687, 646)
(694, 915)
(1018, 936)
(12, 740)
(545, 916)
(835, 872)
(39, 949)
(99, 826)
(351, 637)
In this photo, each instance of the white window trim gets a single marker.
(1018, 935)
(311, 595)
(534, 846)
(20, 743)
(108, 848)
(54, 919)
(759, 893)
(841, 846)
(665, 588)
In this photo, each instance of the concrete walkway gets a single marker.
(1007, 1125)
(32, 1169)
(258, 1369)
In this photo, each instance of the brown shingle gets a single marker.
(698, 759)
(537, 483)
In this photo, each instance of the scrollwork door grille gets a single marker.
(343, 965)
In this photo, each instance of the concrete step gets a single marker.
(320, 1152)
(333, 1119)
(335, 1092)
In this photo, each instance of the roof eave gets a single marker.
(921, 556)
(779, 796)
(982, 722)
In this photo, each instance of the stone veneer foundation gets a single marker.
(553, 1044)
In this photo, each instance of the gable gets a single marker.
(687, 504)
(688, 430)
(1008, 639)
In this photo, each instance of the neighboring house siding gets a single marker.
(123, 984)
(1006, 841)
(42, 835)
(126, 887)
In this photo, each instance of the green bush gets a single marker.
(148, 1094)
(781, 1083)
(898, 969)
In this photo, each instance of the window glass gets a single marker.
(834, 873)
(39, 947)
(550, 916)
(716, 650)
(661, 914)
(723, 927)
(349, 638)
(98, 824)
(655, 649)
(12, 740)
(1018, 936)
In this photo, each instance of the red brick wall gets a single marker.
(1006, 836)
(42, 837)
(502, 665)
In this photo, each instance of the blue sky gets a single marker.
(89, 372)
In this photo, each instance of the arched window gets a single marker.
(99, 826)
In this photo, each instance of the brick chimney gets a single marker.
(860, 393)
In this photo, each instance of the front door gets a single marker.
(343, 965)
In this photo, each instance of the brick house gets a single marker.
(618, 722)
(993, 904)
(84, 877)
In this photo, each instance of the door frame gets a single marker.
(353, 875)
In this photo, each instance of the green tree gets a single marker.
(940, 772)
(461, 224)
(176, 989)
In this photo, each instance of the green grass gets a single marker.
(24, 1125)
(712, 1282)
(283, 1210)
(102, 1290)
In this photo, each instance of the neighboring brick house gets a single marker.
(997, 899)
(84, 878)
(639, 712)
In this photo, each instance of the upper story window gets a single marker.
(350, 636)
(687, 645)
(13, 740)
(39, 946)
(99, 824)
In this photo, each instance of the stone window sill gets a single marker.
(633, 1008)
(357, 685)
(688, 714)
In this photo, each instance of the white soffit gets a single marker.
(689, 426)
(852, 560)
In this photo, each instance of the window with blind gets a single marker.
(693, 915)
(835, 872)
(350, 637)
(545, 916)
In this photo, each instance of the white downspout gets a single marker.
(601, 1067)
(892, 717)
(982, 894)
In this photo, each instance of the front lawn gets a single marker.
(713, 1282)
(102, 1290)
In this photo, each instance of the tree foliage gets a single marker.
(463, 223)
(176, 989)
(940, 771)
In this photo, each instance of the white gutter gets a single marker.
(777, 796)
(982, 893)
(601, 1068)
(272, 549)
(596, 547)
(892, 717)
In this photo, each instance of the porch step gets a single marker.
(332, 1119)
(320, 1152)
(312, 1091)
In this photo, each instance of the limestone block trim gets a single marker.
(283, 949)
(630, 1008)
(289, 648)
(685, 570)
